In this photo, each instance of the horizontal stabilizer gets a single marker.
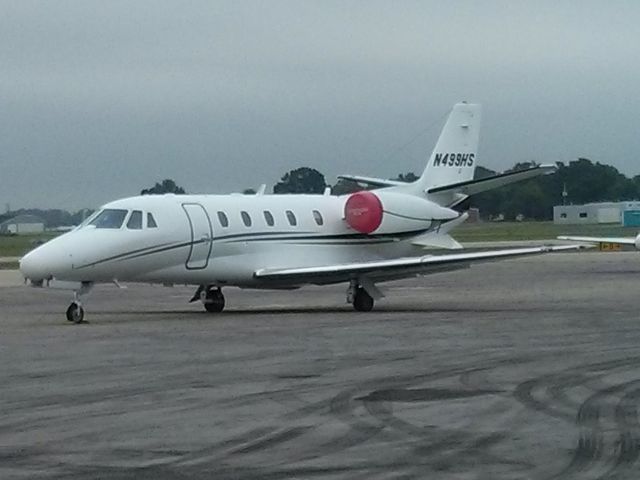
(374, 182)
(440, 238)
(448, 226)
(437, 240)
(471, 187)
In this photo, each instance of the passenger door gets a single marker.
(201, 236)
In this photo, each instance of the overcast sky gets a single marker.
(99, 99)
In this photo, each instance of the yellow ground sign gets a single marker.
(610, 247)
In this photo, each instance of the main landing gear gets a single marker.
(75, 312)
(211, 297)
(362, 301)
(358, 296)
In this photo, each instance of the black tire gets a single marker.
(75, 313)
(362, 301)
(214, 302)
(214, 307)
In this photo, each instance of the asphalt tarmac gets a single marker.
(521, 369)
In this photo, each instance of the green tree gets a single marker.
(595, 182)
(301, 180)
(407, 177)
(584, 180)
(531, 198)
(167, 186)
(487, 202)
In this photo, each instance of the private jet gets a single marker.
(283, 241)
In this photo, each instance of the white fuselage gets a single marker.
(191, 242)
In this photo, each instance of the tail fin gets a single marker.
(453, 159)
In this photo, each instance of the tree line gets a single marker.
(52, 217)
(583, 180)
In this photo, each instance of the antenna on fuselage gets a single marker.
(261, 189)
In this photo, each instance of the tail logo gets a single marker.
(453, 160)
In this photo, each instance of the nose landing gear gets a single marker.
(75, 312)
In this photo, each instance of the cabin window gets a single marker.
(151, 222)
(268, 218)
(222, 218)
(292, 218)
(583, 214)
(246, 219)
(135, 220)
(109, 218)
(317, 216)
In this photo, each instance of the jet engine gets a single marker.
(388, 212)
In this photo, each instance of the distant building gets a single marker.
(604, 212)
(22, 224)
(631, 217)
(474, 215)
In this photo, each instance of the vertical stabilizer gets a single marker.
(454, 157)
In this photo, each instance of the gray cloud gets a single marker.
(101, 99)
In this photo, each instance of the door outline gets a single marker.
(204, 235)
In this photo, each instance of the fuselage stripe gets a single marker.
(340, 239)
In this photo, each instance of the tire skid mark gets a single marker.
(590, 451)
(558, 392)
(364, 421)
(478, 379)
(591, 441)
(271, 440)
(359, 431)
(524, 393)
(628, 443)
(364, 428)
(557, 382)
(438, 446)
(610, 407)
(218, 449)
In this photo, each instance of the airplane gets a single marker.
(635, 241)
(283, 241)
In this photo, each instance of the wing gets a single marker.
(620, 240)
(396, 268)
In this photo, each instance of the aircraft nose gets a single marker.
(43, 263)
(32, 267)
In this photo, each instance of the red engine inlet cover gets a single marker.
(363, 212)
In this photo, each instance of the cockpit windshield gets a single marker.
(89, 219)
(109, 218)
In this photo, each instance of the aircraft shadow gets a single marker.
(314, 310)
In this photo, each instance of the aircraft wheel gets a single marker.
(75, 313)
(362, 301)
(214, 301)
